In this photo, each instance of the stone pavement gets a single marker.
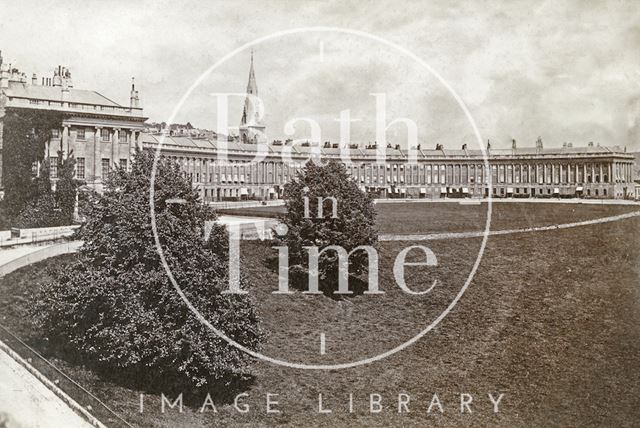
(27, 402)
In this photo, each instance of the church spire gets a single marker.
(251, 124)
(252, 86)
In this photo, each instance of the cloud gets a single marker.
(568, 71)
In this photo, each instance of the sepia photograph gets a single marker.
(319, 213)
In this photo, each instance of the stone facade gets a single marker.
(232, 173)
(100, 132)
(224, 170)
(103, 134)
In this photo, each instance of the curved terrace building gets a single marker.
(225, 170)
(102, 134)
(589, 172)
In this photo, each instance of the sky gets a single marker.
(567, 71)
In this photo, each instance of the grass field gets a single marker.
(551, 319)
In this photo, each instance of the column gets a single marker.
(115, 140)
(64, 143)
(600, 173)
(97, 136)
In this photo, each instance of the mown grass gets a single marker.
(550, 319)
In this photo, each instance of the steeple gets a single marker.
(252, 87)
(251, 126)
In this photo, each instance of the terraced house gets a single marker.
(225, 170)
(101, 132)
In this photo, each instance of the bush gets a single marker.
(353, 226)
(116, 305)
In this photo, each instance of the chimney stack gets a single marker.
(134, 100)
(513, 143)
(539, 143)
(4, 75)
(34, 79)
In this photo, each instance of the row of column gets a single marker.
(94, 167)
(207, 170)
(545, 173)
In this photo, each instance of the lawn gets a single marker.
(550, 320)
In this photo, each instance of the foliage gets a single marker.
(116, 305)
(354, 225)
(66, 187)
(25, 133)
(47, 208)
(40, 210)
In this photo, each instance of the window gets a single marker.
(53, 167)
(122, 136)
(105, 135)
(105, 168)
(55, 133)
(80, 134)
(80, 167)
(123, 164)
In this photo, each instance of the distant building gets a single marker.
(178, 130)
(100, 132)
(103, 133)
(224, 170)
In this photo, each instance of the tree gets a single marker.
(353, 226)
(40, 210)
(115, 304)
(66, 187)
(24, 135)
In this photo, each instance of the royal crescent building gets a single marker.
(103, 133)
(227, 170)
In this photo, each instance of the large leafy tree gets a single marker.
(116, 306)
(24, 135)
(40, 209)
(47, 208)
(66, 187)
(353, 226)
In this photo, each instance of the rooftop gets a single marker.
(172, 143)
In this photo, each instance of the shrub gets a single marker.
(353, 226)
(116, 306)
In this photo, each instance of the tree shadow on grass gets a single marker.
(299, 281)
